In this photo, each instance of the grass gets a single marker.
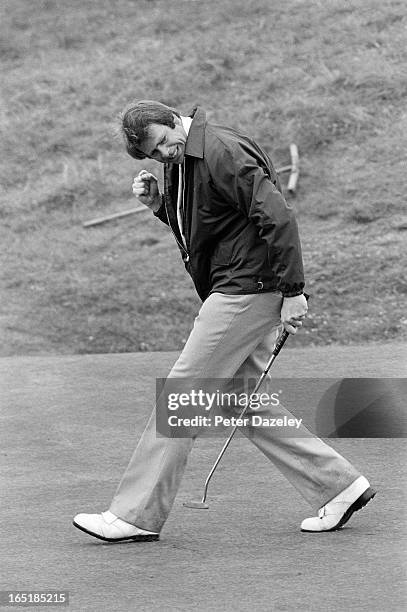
(329, 75)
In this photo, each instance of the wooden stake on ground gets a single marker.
(295, 169)
(119, 215)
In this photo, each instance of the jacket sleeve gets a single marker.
(246, 181)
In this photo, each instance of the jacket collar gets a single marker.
(195, 141)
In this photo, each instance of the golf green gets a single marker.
(69, 425)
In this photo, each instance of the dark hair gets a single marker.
(136, 119)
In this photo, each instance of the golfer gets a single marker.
(239, 241)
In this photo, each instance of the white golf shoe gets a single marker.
(107, 526)
(338, 511)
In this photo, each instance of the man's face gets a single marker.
(165, 144)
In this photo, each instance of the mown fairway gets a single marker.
(328, 75)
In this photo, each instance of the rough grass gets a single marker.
(330, 75)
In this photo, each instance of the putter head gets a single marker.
(198, 505)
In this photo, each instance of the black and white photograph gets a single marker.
(203, 357)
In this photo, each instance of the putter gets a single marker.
(279, 345)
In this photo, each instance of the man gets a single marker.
(239, 242)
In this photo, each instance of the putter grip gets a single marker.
(280, 342)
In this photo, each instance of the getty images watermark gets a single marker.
(287, 407)
(187, 407)
(203, 400)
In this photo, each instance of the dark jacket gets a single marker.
(241, 235)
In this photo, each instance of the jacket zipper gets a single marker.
(180, 244)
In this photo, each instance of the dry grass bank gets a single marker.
(330, 75)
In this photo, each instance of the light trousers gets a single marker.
(232, 336)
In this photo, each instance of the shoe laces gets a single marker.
(334, 508)
(322, 512)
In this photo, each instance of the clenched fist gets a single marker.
(145, 188)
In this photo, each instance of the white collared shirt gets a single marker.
(186, 124)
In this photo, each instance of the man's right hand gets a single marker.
(145, 188)
(293, 311)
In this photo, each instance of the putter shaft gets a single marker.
(279, 345)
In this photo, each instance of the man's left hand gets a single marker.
(293, 312)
